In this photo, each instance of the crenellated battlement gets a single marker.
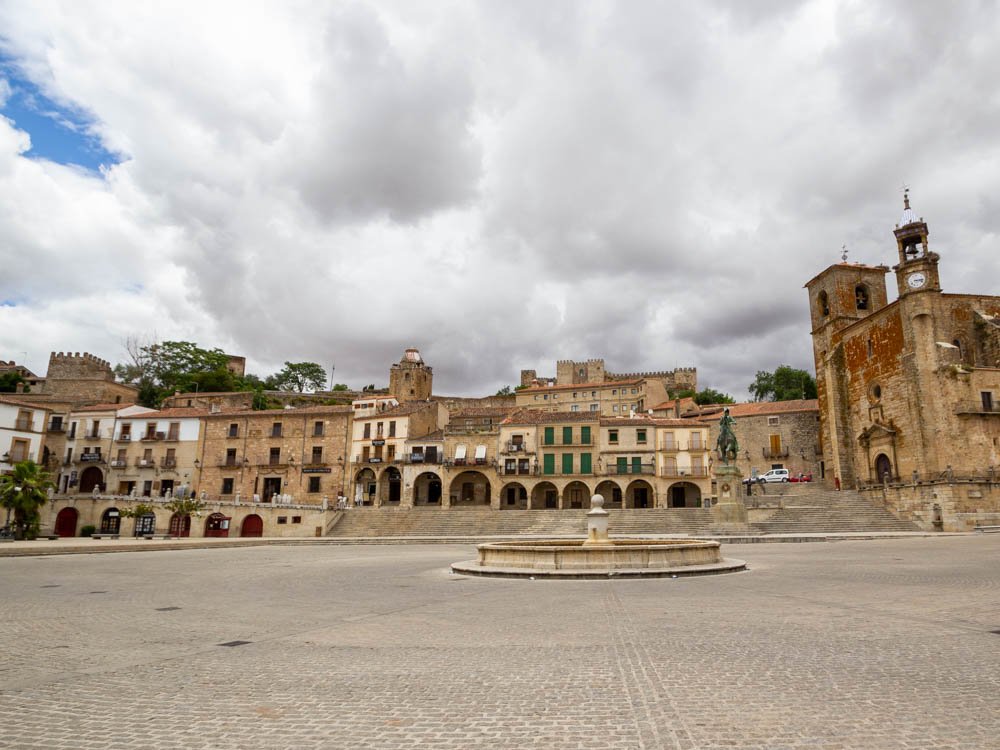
(77, 365)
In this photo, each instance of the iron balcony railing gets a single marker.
(512, 447)
(56, 427)
(768, 453)
(168, 463)
(693, 471)
(230, 462)
(978, 407)
(632, 469)
(145, 463)
(118, 463)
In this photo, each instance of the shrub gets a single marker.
(87, 530)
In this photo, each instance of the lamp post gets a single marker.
(6, 534)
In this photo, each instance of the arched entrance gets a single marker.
(576, 495)
(611, 493)
(883, 467)
(111, 521)
(364, 487)
(90, 478)
(180, 525)
(684, 495)
(427, 489)
(217, 525)
(470, 489)
(253, 525)
(544, 496)
(639, 494)
(513, 496)
(390, 487)
(66, 522)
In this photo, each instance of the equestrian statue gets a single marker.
(726, 444)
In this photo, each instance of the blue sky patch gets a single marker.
(58, 133)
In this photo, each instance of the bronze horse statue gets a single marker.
(726, 443)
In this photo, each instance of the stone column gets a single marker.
(730, 509)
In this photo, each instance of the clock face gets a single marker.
(916, 280)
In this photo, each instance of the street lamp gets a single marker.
(6, 533)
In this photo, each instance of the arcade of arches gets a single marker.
(475, 489)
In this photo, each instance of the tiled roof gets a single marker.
(581, 386)
(686, 404)
(762, 408)
(299, 411)
(482, 411)
(644, 420)
(103, 407)
(177, 411)
(25, 404)
(436, 435)
(540, 416)
(402, 410)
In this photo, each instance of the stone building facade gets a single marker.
(22, 432)
(909, 391)
(591, 371)
(613, 398)
(411, 379)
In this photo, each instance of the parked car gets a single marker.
(800, 477)
(774, 475)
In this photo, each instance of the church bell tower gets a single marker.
(917, 270)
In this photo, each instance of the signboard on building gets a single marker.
(316, 469)
(90, 456)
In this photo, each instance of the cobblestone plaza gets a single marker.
(856, 644)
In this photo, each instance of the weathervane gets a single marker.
(843, 256)
(906, 194)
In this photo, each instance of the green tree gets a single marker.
(9, 381)
(784, 384)
(712, 396)
(505, 391)
(23, 492)
(159, 369)
(341, 387)
(185, 506)
(301, 377)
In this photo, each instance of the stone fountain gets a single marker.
(599, 556)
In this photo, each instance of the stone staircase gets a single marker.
(811, 508)
(806, 508)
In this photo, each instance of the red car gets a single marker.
(801, 478)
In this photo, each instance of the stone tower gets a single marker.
(410, 379)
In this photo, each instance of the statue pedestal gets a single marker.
(730, 511)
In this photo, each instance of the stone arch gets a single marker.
(253, 525)
(513, 496)
(612, 493)
(427, 489)
(883, 467)
(66, 522)
(470, 489)
(862, 297)
(365, 486)
(217, 525)
(544, 496)
(576, 495)
(90, 478)
(111, 521)
(684, 495)
(390, 487)
(180, 525)
(640, 494)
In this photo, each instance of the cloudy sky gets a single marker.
(501, 184)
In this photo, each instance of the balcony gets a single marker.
(523, 471)
(977, 408)
(172, 437)
(124, 438)
(423, 458)
(55, 427)
(150, 436)
(512, 447)
(145, 463)
(771, 454)
(118, 463)
(16, 457)
(675, 447)
(168, 463)
(693, 471)
(230, 462)
(632, 469)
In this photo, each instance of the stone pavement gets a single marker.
(856, 644)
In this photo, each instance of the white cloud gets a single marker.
(499, 184)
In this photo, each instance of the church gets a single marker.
(909, 390)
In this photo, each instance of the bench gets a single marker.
(104, 536)
(156, 536)
(987, 529)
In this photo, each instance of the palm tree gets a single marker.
(24, 491)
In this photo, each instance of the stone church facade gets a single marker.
(909, 390)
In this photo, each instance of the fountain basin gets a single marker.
(624, 558)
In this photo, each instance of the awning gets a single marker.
(480, 451)
(460, 451)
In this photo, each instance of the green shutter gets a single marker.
(585, 435)
(567, 436)
(567, 464)
(585, 467)
(549, 463)
(550, 435)
(637, 464)
(622, 465)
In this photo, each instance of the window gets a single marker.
(614, 408)
(637, 464)
(549, 463)
(317, 429)
(585, 464)
(317, 454)
(95, 428)
(282, 519)
(567, 463)
(56, 423)
(612, 436)
(640, 435)
(174, 431)
(772, 420)
(296, 519)
(621, 465)
(871, 349)
(695, 441)
(365, 451)
(392, 428)
(594, 407)
(170, 460)
(861, 297)
(314, 484)
(276, 429)
(72, 431)
(593, 394)
(126, 432)
(19, 450)
(987, 399)
(368, 430)
(227, 486)
(390, 454)
(775, 443)
(824, 304)
(614, 391)
(585, 435)
(234, 430)
(634, 391)
(230, 457)
(575, 407)
(275, 456)
(550, 436)
(567, 436)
